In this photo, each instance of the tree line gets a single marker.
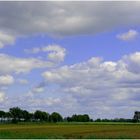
(116, 120)
(16, 114)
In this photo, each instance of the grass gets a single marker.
(70, 130)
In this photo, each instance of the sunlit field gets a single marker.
(70, 130)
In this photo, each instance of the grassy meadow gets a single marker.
(70, 130)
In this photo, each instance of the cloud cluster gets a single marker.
(38, 90)
(101, 86)
(23, 81)
(66, 18)
(10, 64)
(55, 53)
(94, 86)
(128, 36)
(6, 80)
(6, 39)
(62, 19)
(2, 97)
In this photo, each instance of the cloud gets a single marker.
(100, 86)
(55, 53)
(32, 51)
(61, 19)
(6, 80)
(50, 104)
(38, 89)
(66, 18)
(2, 97)
(6, 39)
(36, 101)
(23, 81)
(132, 62)
(128, 36)
(97, 87)
(11, 64)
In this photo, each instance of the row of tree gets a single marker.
(116, 120)
(16, 114)
(79, 118)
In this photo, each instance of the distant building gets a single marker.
(137, 116)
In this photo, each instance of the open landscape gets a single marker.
(18, 123)
(69, 69)
(70, 130)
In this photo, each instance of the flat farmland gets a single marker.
(70, 130)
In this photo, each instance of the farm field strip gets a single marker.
(69, 131)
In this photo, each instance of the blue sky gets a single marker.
(105, 45)
(57, 56)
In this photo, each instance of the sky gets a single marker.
(71, 57)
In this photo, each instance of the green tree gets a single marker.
(38, 115)
(45, 116)
(8, 116)
(74, 118)
(69, 119)
(56, 117)
(16, 113)
(31, 116)
(79, 118)
(41, 116)
(26, 115)
(98, 120)
(86, 118)
(2, 115)
(136, 117)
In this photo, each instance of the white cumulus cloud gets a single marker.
(6, 80)
(100, 85)
(23, 81)
(128, 36)
(6, 39)
(11, 64)
(2, 97)
(55, 53)
(38, 90)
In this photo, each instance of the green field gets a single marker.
(70, 130)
